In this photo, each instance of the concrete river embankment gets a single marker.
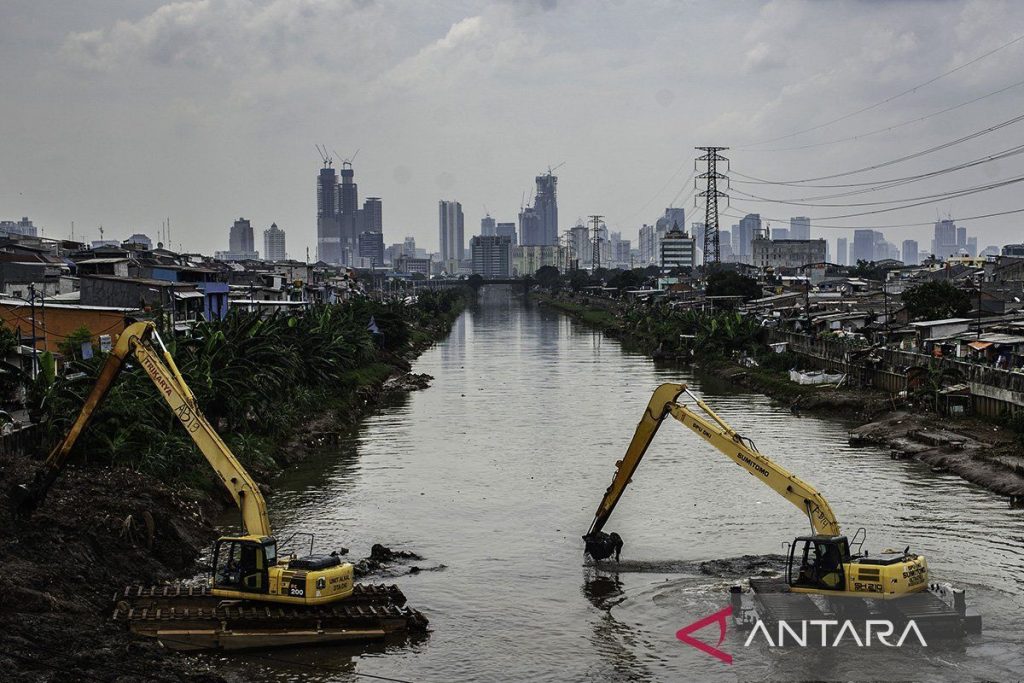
(495, 471)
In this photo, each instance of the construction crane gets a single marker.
(322, 151)
(820, 563)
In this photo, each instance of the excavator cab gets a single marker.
(243, 563)
(816, 562)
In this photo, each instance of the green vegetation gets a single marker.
(936, 301)
(256, 380)
(731, 283)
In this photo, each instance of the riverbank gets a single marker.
(105, 525)
(981, 452)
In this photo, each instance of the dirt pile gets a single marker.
(380, 558)
(98, 530)
(982, 454)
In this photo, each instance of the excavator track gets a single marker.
(188, 617)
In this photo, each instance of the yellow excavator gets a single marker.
(246, 567)
(819, 563)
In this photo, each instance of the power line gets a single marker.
(893, 182)
(951, 194)
(942, 198)
(907, 157)
(890, 98)
(893, 127)
(880, 227)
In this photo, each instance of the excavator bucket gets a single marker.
(601, 546)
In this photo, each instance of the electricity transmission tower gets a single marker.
(595, 255)
(712, 252)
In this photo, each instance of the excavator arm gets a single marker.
(713, 429)
(137, 342)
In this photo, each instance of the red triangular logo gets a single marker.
(721, 616)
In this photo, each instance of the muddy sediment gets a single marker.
(98, 530)
(983, 454)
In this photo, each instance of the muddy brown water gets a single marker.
(496, 469)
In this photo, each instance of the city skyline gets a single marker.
(417, 147)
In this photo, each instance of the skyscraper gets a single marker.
(648, 242)
(799, 228)
(451, 230)
(507, 230)
(868, 246)
(743, 235)
(492, 255)
(841, 253)
(273, 243)
(487, 226)
(240, 240)
(530, 231)
(371, 248)
(373, 215)
(944, 244)
(910, 253)
(546, 206)
(328, 222)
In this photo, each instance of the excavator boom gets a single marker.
(713, 429)
(137, 342)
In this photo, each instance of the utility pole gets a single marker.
(595, 254)
(712, 252)
(32, 303)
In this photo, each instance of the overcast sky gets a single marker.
(123, 112)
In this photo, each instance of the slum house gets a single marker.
(181, 302)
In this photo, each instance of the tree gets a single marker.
(731, 283)
(579, 279)
(935, 301)
(548, 277)
(71, 347)
(625, 279)
(476, 281)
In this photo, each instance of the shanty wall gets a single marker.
(993, 392)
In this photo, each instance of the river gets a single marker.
(496, 469)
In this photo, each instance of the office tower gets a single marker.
(648, 244)
(783, 234)
(373, 215)
(530, 231)
(451, 230)
(580, 247)
(240, 240)
(328, 220)
(944, 242)
(743, 234)
(799, 228)
(488, 227)
(492, 256)
(273, 243)
(864, 246)
(725, 242)
(961, 237)
(841, 254)
(545, 204)
(507, 230)
(972, 246)
(677, 250)
(697, 230)
(910, 250)
(371, 247)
